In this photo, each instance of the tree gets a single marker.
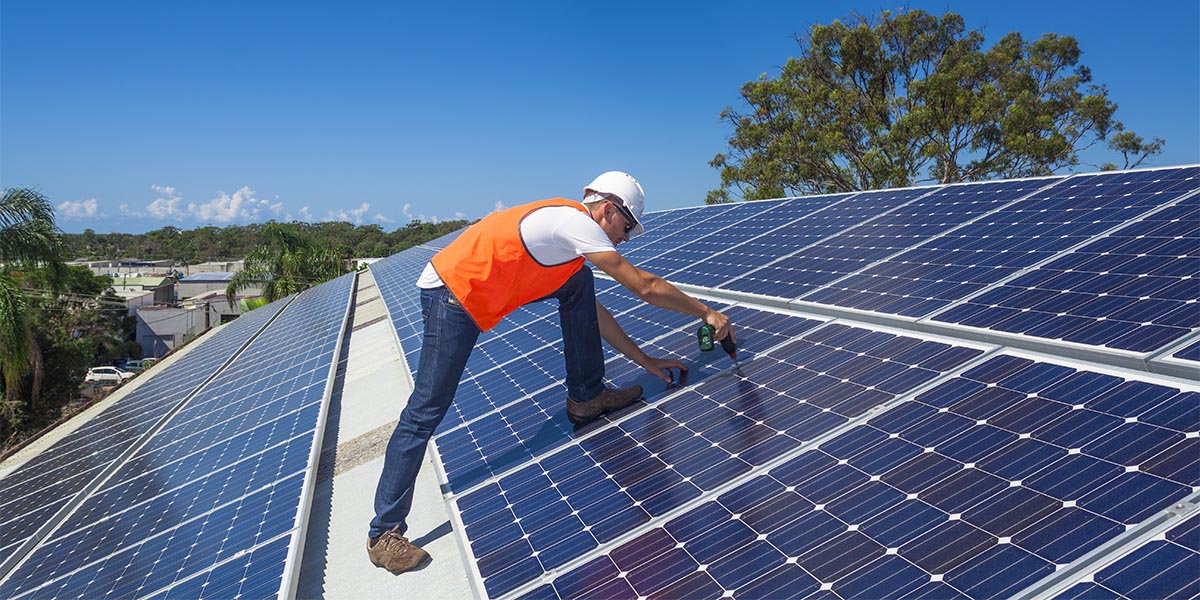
(287, 262)
(907, 98)
(28, 239)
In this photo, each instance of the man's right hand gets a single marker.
(720, 323)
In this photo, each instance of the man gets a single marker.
(512, 257)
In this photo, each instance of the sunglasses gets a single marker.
(630, 222)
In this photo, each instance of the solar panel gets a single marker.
(226, 475)
(1132, 289)
(980, 487)
(535, 425)
(918, 281)
(1033, 232)
(558, 507)
(1161, 568)
(52, 481)
(803, 255)
(396, 277)
(719, 251)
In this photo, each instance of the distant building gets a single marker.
(199, 283)
(144, 291)
(231, 266)
(161, 329)
(126, 266)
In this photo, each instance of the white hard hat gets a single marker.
(625, 187)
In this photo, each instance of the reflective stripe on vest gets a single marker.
(491, 272)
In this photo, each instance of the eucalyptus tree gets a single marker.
(905, 98)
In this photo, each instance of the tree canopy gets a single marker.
(286, 263)
(909, 97)
(236, 241)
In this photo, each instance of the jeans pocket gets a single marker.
(451, 300)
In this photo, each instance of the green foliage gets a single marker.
(909, 97)
(29, 240)
(288, 262)
(54, 320)
(236, 241)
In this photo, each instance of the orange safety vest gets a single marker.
(491, 272)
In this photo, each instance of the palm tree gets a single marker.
(28, 238)
(286, 263)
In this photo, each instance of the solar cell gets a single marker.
(605, 485)
(225, 476)
(933, 498)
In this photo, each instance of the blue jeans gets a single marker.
(450, 335)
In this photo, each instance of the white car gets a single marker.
(106, 376)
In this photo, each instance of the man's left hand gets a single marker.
(661, 367)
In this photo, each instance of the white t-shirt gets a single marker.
(553, 235)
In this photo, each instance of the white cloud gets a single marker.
(128, 211)
(306, 215)
(166, 206)
(242, 205)
(381, 218)
(499, 206)
(354, 215)
(84, 209)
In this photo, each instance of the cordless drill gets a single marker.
(705, 336)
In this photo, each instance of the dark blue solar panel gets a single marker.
(952, 494)
(916, 283)
(223, 476)
(47, 483)
(1160, 568)
(607, 484)
(725, 249)
(1067, 292)
(1133, 289)
(796, 259)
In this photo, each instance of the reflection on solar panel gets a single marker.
(215, 499)
(938, 270)
(847, 458)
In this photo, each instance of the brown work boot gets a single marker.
(607, 401)
(395, 553)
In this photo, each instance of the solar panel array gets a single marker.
(215, 457)
(975, 390)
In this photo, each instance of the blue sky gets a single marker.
(130, 116)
